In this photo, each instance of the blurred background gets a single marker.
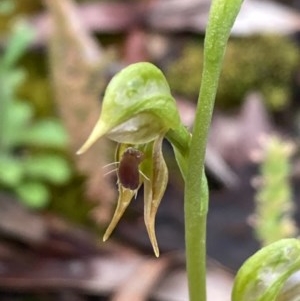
(56, 57)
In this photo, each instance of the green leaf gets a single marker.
(15, 123)
(262, 276)
(10, 80)
(33, 194)
(13, 114)
(20, 113)
(45, 133)
(21, 36)
(11, 171)
(51, 168)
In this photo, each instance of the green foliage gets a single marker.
(29, 159)
(274, 207)
(250, 64)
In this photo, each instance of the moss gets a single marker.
(70, 202)
(264, 63)
(37, 87)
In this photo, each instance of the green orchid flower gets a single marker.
(137, 111)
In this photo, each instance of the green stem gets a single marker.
(180, 139)
(222, 16)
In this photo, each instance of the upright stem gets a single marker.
(222, 16)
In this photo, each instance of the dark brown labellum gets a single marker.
(128, 171)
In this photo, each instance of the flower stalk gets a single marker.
(222, 16)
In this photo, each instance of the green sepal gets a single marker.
(137, 107)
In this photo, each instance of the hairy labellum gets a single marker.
(128, 171)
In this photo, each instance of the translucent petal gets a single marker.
(154, 191)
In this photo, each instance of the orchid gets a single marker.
(137, 111)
